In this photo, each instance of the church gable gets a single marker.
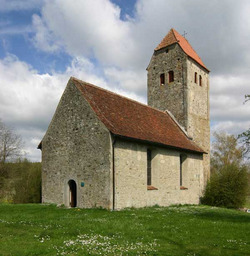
(77, 146)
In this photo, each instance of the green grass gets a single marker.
(177, 230)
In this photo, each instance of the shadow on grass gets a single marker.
(225, 217)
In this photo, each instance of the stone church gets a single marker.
(105, 150)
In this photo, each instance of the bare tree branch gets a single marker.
(10, 144)
(247, 98)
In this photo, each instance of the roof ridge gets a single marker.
(166, 112)
(193, 50)
(138, 102)
(173, 30)
(199, 58)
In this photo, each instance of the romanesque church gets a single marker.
(105, 150)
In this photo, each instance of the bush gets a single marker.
(227, 188)
(28, 183)
(20, 182)
(6, 191)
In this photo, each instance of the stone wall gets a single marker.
(185, 99)
(169, 96)
(76, 146)
(199, 111)
(131, 176)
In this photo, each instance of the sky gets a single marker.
(109, 43)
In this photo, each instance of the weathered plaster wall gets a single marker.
(131, 176)
(76, 146)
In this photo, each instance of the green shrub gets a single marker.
(20, 182)
(227, 187)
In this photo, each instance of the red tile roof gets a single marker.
(174, 37)
(128, 118)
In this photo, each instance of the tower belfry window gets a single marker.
(200, 80)
(195, 77)
(171, 76)
(162, 79)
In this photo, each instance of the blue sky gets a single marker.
(16, 39)
(110, 43)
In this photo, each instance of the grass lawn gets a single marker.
(177, 230)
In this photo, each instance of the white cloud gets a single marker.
(16, 5)
(230, 127)
(44, 38)
(90, 28)
(12, 30)
(227, 97)
(129, 80)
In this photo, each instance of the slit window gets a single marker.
(195, 77)
(200, 80)
(149, 167)
(183, 157)
(181, 167)
(162, 79)
(171, 76)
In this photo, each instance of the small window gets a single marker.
(162, 79)
(171, 76)
(181, 162)
(195, 77)
(182, 159)
(200, 80)
(149, 169)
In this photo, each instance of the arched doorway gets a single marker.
(72, 193)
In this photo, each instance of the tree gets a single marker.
(225, 151)
(244, 137)
(228, 183)
(10, 143)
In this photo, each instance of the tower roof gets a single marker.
(174, 37)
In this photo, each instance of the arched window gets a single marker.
(200, 80)
(162, 79)
(171, 76)
(195, 77)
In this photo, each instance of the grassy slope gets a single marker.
(185, 230)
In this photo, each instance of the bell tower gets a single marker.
(178, 82)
